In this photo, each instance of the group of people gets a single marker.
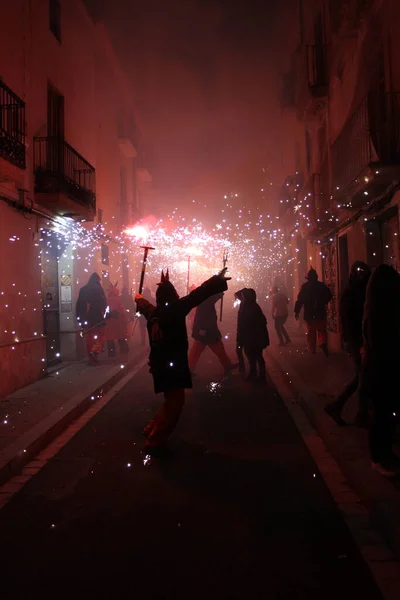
(107, 318)
(370, 325)
(369, 314)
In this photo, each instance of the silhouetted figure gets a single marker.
(351, 313)
(314, 296)
(252, 334)
(117, 327)
(239, 349)
(147, 295)
(280, 313)
(166, 325)
(380, 366)
(205, 334)
(90, 313)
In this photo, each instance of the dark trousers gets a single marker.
(382, 385)
(239, 354)
(256, 359)
(280, 329)
(355, 383)
(123, 347)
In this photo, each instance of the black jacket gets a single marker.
(91, 304)
(205, 326)
(166, 325)
(314, 296)
(252, 332)
(351, 312)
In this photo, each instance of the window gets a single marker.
(55, 18)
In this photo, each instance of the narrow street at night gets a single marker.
(236, 510)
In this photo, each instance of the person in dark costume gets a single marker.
(351, 313)
(252, 333)
(168, 360)
(206, 333)
(239, 348)
(380, 366)
(147, 295)
(280, 314)
(90, 312)
(314, 296)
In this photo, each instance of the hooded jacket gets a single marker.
(314, 296)
(352, 302)
(166, 325)
(91, 304)
(381, 326)
(205, 326)
(252, 332)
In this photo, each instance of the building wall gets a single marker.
(98, 98)
(361, 50)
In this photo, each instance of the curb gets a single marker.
(378, 494)
(15, 456)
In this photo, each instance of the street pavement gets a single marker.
(236, 510)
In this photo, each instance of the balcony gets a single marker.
(12, 128)
(366, 155)
(311, 89)
(64, 180)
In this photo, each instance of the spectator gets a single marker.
(252, 334)
(351, 312)
(117, 327)
(379, 371)
(90, 312)
(314, 296)
(280, 314)
(206, 333)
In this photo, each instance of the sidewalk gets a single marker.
(315, 380)
(32, 416)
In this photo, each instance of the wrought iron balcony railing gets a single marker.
(369, 139)
(12, 127)
(59, 168)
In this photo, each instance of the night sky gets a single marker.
(205, 86)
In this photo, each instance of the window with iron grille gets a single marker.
(55, 18)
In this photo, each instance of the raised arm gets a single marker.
(144, 306)
(214, 285)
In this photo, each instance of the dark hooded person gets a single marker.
(379, 370)
(206, 333)
(252, 333)
(239, 348)
(351, 311)
(90, 312)
(314, 296)
(280, 314)
(168, 360)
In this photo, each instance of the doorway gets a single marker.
(50, 254)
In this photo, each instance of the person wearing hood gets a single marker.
(351, 311)
(168, 360)
(252, 333)
(91, 312)
(117, 327)
(379, 370)
(205, 333)
(314, 297)
(239, 348)
(280, 314)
